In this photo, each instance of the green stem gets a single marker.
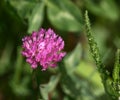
(116, 71)
(111, 84)
(116, 75)
(94, 49)
(35, 84)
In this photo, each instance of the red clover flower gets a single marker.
(43, 48)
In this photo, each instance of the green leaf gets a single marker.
(72, 60)
(5, 58)
(112, 85)
(36, 19)
(19, 84)
(67, 82)
(45, 89)
(103, 8)
(90, 74)
(21, 88)
(73, 86)
(22, 7)
(64, 15)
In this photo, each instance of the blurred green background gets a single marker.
(76, 78)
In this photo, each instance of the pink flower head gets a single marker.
(43, 48)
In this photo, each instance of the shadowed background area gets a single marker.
(76, 78)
